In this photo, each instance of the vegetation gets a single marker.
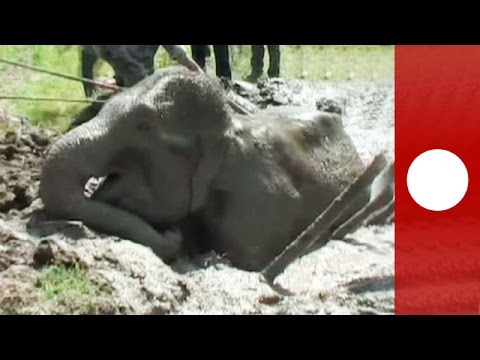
(71, 288)
(66, 283)
(61, 289)
(312, 62)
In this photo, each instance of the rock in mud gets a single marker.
(337, 106)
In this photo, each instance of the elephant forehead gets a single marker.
(134, 108)
(118, 103)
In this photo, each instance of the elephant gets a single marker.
(176, 156)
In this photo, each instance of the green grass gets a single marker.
(62, 289)
(27, 83)
(312, 62)
(67, 284)
(71, 290)
(324, 62)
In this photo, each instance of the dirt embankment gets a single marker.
(21, 152)
(64, 268)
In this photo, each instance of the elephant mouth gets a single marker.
(99, 189)
(95, 188)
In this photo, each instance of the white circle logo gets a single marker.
(437, 180)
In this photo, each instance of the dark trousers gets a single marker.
(258, 55)
(199, 54)
(88, 58)
(131, 63)
(222, 58)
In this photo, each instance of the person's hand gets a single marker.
(191, 65)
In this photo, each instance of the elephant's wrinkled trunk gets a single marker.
(83, 153)
(77, 156)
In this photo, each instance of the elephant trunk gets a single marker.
(83, 153)
(70, 162)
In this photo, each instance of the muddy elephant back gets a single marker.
(321, 160)
(321, 149)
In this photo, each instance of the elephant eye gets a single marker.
(143, 126)
(179, 145)
(177, 140)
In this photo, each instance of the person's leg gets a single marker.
(258, 53)
(274, 54)
(199, 55)
(208, 52)
(87, 62)
(222, 61)
(131, 63)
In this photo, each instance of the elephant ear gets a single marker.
(195, 106)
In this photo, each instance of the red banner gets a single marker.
(437, 267)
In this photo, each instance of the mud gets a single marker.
(119, 277)
(21, 152)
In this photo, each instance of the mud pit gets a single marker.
(64, 268)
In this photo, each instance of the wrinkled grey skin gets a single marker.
(244, 187)
(134, 125)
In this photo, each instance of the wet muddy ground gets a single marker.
(64, 268)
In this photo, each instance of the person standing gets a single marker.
(200, 53)
(222, 58)
(131, 63)
(258, 55)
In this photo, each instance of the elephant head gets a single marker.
(165, 129)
